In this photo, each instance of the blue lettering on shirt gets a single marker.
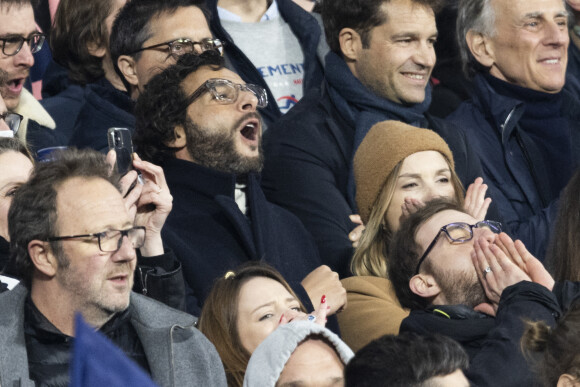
(274, 70)
(281, 69)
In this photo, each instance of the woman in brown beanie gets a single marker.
(397, 169)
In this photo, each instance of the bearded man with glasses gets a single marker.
(19, 39)
(470, 281)
(74, 243)
(201, 123)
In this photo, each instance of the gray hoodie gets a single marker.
(269, 359)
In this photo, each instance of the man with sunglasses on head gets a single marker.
(74, 242)
(19, 39)
(199, 121)
(467, 280)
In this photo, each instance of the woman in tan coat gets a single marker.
(397, 169)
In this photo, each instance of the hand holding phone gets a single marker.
(120, 141)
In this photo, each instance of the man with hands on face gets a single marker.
(465, 279)
(74, 240)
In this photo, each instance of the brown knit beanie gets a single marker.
(384, 146)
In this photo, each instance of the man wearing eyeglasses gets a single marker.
(19, 39)
(465, 279)
(74, 243)
(200, 122)
(150, 35)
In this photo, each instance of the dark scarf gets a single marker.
(361, 108)
(461, 323)
(545, 134)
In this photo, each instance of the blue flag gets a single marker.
(98, 362)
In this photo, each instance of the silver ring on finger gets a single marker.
(486, 271)
(311, 318)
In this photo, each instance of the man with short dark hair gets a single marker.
(73, 242)
(19, 39)
(448, 268)
(149, 35)
(521, 123)
(200, 122)
(382, 55)
(408, 360)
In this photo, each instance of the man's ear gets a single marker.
(566, 380)
(42, 257)
(350, 43)
(128, 67)
(424, 285)
(97, 49)
(179, 141)
(481, 48)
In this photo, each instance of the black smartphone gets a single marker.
(120, 141)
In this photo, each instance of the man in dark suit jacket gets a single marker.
(199, 121)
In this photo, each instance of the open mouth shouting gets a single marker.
(14, 86)
(250, 130)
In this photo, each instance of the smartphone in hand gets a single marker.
(120, 140)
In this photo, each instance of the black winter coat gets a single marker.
(210, 235)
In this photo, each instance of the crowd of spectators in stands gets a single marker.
(322, 193)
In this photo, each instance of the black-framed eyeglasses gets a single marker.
(111, 240)
(13, 121)
(459, 232)
(184, 46)
(11, 45)
(226, 92)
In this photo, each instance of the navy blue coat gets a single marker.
(490, 122)
(64, 109)
(307, 162)
(573, 69)
(104, 107)
(493, 344)
(305, 28)
(210, 235)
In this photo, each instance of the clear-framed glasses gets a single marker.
(226, 92)
(13, 121)
(11, 45)
(459, 232)
(184, 46)
(111, 240)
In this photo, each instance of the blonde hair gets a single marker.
(370, 256)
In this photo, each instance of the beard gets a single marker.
(460, 287)
(216, 148)
(91, 299)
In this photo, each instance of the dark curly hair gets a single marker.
(163, 106)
